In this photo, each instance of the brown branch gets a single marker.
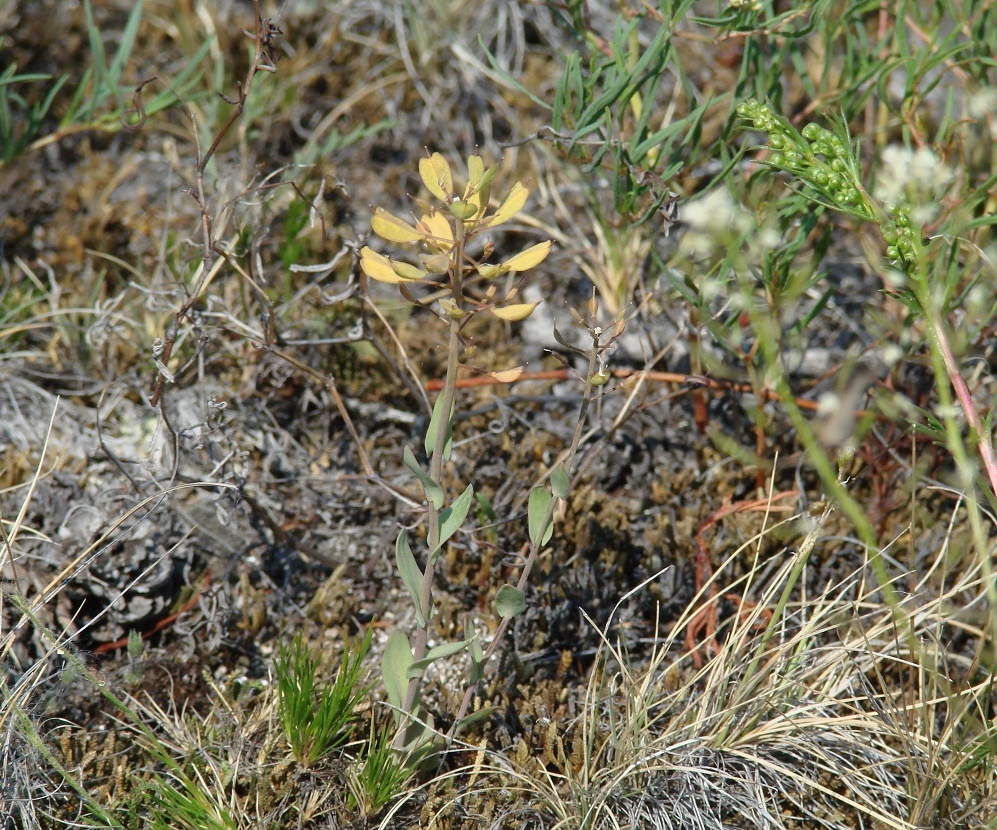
(265, 30)
(646, 374)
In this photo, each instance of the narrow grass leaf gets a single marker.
(508, 79)
(124, 51)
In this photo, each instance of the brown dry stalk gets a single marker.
(265, 30)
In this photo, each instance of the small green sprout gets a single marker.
(318, 717)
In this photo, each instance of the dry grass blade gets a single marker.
(814, 734)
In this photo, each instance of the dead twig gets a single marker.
(266, 30)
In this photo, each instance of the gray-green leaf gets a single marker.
(510, 601)
(559, 481)
(432, 489)
(453, 517)
(418, 668)
(434, 425)
(412, 575)
(536, 511)
(474, 717)
(394, 667)
(477, 653)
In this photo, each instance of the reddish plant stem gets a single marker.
(983, 437)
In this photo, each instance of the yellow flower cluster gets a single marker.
(443, 234)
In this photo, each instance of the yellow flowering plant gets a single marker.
(446, 231)
(444, 235)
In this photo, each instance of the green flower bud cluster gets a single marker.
(817, 156)
(899, 234)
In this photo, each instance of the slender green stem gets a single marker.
(448, 396)
(944, 364)
(535, 548)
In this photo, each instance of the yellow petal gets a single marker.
(515, 312)
(439, 234)
(409, 273)
(475, 170)
(508, 375)
(530, 258)
(390, 227)
(513, 203)
(437, 177)
(379, 267)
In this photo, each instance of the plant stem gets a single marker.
(569, 459)
(945, 363)
(447, 397)
(202, 275)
